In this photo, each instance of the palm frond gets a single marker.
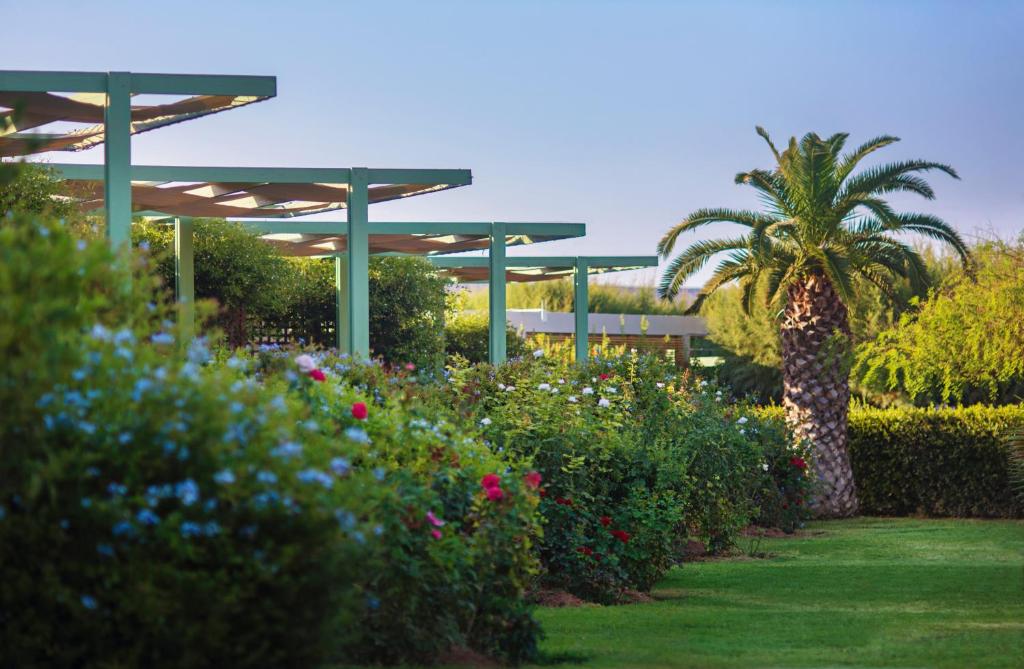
(727, 270)
(764, 133)
(850, 160)
(702, 217)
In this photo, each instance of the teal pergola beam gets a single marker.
(496, 312)
(116, 170)
(581, 268)
(359, 264)
(525, 230)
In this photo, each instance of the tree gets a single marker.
(965, 345)
(823, 229)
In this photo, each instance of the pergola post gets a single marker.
(341, 328)
(117, 148)
(497, 316)
(581, 309)
(359, 263)
(184, 275)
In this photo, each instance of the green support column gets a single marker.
(184, 275)
(359, 263)
(117, 148)
(581, 309)
(341, 329)
(496, 296)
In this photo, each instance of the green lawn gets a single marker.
(867, 593)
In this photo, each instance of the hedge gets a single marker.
(934, 462)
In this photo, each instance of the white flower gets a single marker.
(509, 389)
(703, 384)
(561, 382)
(718, 392)
(660, 384)
(611, 390)
(593, 379)
(305, 363)
(544, 386)
(539, 353)
(742, 431)
(603, 403)
(588, 391)
(572, 398)
(742, 420)
(554, 391)
(764, 466)
(501, 386)
(485, 421)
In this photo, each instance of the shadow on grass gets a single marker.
(561, 658)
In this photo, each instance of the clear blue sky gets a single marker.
(625, 115)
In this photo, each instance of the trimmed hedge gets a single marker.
(934, 462)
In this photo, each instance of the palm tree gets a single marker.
(824, 231)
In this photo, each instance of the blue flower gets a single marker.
(287, 450)
(198, 353)
(358, 536)
(105, 550)
(92, 471)
(124, 438)
(235, 362)
(346, 519)
(379, 473)
(267, 477)
(123, 528)
(100, 332)
(378, 530)
(372, 602)
(141, 386)
(224, 477)
(340, 466)
(278, 403)
(124, 336)
(237, 407)
(265, 499)
(187, 491)
(190, 529)
(147, 518)
(315, 476)
(117, 489)
(87, 427)
(211, 529)
(86, 502)
(79, 374)
(89, 602)
(358, 435)
(162, 338)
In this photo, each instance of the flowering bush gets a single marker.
(634, 459)
(162, 506)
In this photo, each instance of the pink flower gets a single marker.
(495, 494)
(316, 375)
(434, 520)
(490, 481)
(305, 363)
(359, 411)
(533, 480)
(410, 367)
(435, 533)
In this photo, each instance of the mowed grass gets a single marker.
(860, 593)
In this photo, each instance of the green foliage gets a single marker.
(821, 219)
(964, 345)
(244, 274)
(467, 336)
(634, 460)
(160, 508)
(935, 462)
(31, 189)
(407, 306)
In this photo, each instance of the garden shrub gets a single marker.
(161, 508)
(933, 462)
(467, 335)
(634, 460)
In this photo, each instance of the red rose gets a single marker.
(490, 481)
(317, 375)
(586, 550)
(598, 556)
(621, 535)
(799, 501)
(785, 506)
(543, 493)
(606, 520)
(494, 494)
(564, 501)
(798, 463)
(533, 480)
(603, 377)
(359, 411)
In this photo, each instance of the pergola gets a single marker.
(542, 268)
(265, 200)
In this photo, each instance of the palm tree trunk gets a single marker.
(816, 388)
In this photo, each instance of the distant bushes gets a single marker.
(935, 462)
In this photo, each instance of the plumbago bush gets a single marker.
(634, 459)
(161, 508)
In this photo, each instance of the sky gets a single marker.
(623, 115)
